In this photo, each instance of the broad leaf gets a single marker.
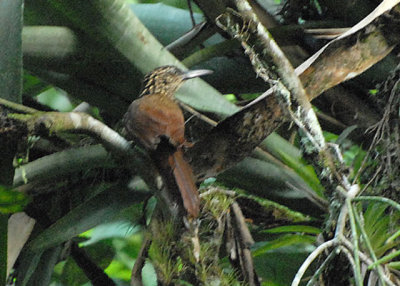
(90, 213)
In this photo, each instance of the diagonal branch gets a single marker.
(53, 122)
(49, 123)
(236, 137)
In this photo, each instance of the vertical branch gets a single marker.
(245, 241)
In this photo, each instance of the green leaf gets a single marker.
(379, 227)
(373, 91)
(294, 228)
(28, 263)
(44, 270)
(330, 137)
(346, 132)
(277, 145)
(55, 99)
(291, 156)
(358, 159)
(282, 241)
(97, 210)
(11, 201)
(32, 85)
(113, 229)
(374, 211)
(62, 163)
(394, 265)
(304, 171)
(279, 266)
(385, 259)
(267, 180)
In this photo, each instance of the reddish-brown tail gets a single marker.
(184, 179)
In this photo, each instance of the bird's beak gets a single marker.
(195, 73)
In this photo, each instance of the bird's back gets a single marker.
(154, 116)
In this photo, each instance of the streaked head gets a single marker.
(167, 79)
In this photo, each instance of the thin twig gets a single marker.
(189, 2)
(245, 241)
(210, 52)
(186, 38)
(198, 114)
(306, 264)
(379, 129)
(136, 276)
(244, 232)
(341, 221)
(321, 268)
(372, 179)
(17, 107)
(365, 259)
(349, 257)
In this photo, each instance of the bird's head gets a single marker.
(167, 79)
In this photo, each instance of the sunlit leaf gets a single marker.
(379, 227)
(304, 171)
(282, 241)
(293, 228)
(11, 201)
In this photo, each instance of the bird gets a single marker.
(155, 121)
